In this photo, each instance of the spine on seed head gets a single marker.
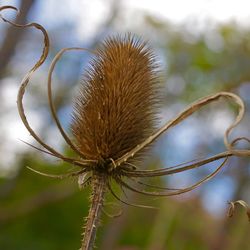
(115, 108)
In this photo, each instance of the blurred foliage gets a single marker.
(41, 213)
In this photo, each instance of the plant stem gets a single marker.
(99, 183)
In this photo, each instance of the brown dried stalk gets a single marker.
(99, 186)
(113, 122)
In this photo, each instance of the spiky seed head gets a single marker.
(115, 108)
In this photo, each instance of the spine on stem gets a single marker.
(99, 184)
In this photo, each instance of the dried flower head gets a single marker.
(113, 122)
(115, 109)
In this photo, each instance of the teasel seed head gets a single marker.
(115, 109)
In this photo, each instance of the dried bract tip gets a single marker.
(242, 203)
(115, 109)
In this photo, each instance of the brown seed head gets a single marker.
(115, 108)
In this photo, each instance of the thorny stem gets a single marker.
(99, 184)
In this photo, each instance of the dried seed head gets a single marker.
(115, 108)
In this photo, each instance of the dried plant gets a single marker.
(114, 120)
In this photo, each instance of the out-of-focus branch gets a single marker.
(13, 36)
(52, 194)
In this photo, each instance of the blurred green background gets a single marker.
(198, 54)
